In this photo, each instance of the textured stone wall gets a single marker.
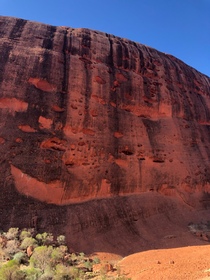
(86, 116)
(89, 115)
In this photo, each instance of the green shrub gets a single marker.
(41, 257)
(12, 233)
(19, 275)
(28, 241)
(62, 272)
(32, 273)
(12, 248)
(96, 260)
(8, 270)
(44, 238)
(88, 265)
(44, 262)
(63, 249)
(47, 275)
(20, 257)
(76, 273)
(61, 239)
(24, 234)
(81, 257)
(57, 256)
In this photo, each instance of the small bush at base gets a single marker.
(24, 257)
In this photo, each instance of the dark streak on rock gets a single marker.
(48, 41)
(152, 128)
(141, 59)
(63, 96)
(113, 97)
(3, 59)
(17, 29)
(85, 52)
(119, 54)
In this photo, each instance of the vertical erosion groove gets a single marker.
(113, 97)
(47, 45)
(6, 49)
(153, 129)
(42, 68)
(182, 96)
(116, 173)
(66, 64)
(86, 53)
(119, 54)
(110, 60)
(64, 94)
(63, 98)
(125, 57)
(176, 108)
(141, 59)
(15, 34)
(17, 29)
(48, 41)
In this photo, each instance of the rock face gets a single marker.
(88, 115)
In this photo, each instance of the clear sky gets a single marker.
(177, 27)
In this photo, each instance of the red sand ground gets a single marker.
(179, 256)
(186, 263)
(169, 264)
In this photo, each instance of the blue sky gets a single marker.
(177, 27)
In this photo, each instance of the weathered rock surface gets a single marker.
(86, 115)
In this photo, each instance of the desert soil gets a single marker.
(186, 263)
(169, 264)
(183, 255)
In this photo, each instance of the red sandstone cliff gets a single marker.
(88, 115)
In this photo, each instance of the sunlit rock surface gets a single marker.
(88, 115)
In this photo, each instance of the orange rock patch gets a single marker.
(57, 109)
(42, 84)
(45, 123)
(88, 131)
(18, 140)
(121, 78)
(54, 143)
(99, 80)
(27, 128)
(118, 134)
(13, 104)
